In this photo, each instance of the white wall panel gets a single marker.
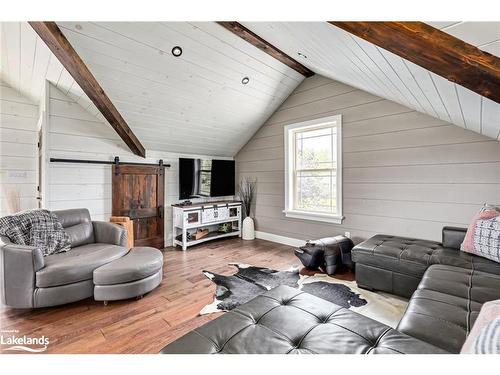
(74, 133)
(18, 149)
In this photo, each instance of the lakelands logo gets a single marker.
(12, 341)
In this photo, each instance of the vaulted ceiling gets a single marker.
(26, 62)
(194, 103)
(337, 54)
(484, 35)
(197, 103)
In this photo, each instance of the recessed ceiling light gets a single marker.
(245, 80)
(78, 26)
(177, 51)
(302, 55)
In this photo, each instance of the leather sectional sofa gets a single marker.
(285, 320)
(447, 289)
(447, 286)
(31, 280)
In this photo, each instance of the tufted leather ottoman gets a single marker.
(285, 320)
(393, 264)
(135, 274)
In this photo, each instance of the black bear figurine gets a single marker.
(327, 253)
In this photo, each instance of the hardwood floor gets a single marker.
(148, 324)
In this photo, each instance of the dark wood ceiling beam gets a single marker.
(50, 33)
(434, 50)
(263, 45)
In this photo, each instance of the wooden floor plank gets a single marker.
(162, 316)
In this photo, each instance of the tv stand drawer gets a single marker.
(214, 214)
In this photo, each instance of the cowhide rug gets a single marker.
(250, 281)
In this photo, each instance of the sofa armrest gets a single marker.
(19, 266)
(109, 233)
(453, 237)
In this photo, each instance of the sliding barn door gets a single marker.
(138, 192)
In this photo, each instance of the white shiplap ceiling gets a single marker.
(197, 103)
(26, 62)
(193, 103)
(483, 35)
(336, 54)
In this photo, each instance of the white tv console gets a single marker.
(189, 218)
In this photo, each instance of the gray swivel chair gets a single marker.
(30, 280)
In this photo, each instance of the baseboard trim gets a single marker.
(279, 239)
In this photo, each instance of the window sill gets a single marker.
(334, 219)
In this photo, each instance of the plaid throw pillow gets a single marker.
(486, 212)
(38, 228)
(487, 239)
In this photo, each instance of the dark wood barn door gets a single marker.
(138, 192)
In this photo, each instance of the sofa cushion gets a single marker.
(78, 225)
(444, 307)
(285, 320)
(76, 265)
(139, 263)
(456, 258)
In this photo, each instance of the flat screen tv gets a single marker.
(202, 178)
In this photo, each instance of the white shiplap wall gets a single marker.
(405, 173)
(74, 133)
(18, 148)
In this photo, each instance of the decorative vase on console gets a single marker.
(246, 194)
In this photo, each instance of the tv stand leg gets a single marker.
(184, 239)
(174, 233)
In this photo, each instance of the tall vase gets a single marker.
(248, 230)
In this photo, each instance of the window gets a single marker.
(313, 170)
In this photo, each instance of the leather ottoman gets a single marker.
(285, 320)
(135, 274)
(327, 253)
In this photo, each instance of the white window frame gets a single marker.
(289, 211)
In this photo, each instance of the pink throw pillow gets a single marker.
(485, 214)
(484, 337)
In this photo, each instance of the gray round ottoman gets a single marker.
(135, 274)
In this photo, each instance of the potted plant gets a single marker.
(246, 195)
